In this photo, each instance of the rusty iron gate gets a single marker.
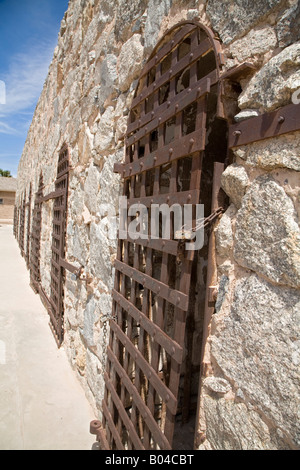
(22, 225)
(54, 302)
(28, 206)
(60, 197)
(165, 140)
(35, 274)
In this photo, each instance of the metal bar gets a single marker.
(173, 296)
(122, 412)
(179, 335)
(195, 92)
(158, 335)
(179, 148)
(156, 349)
(185, 62)
(164, 245)
(68, 266)
(182, 33)
(150, 373)
(268, 125)
(112, 426)
(183, 97)
(53, 195)
(130, 330)
(157, 434)
(183, 197)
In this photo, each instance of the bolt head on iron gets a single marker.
(95, 427)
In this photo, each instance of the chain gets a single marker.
(203, 223)
(187, 233)
(104, 339)
(104, 345)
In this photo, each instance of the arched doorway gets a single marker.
(176, 133)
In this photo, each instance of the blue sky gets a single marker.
(28, 36)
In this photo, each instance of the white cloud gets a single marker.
(2, 92)
(24, 83)
(7, 129)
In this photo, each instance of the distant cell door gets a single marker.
(28, 205)
(35, 246)
(60, 197)
(22, 224)
(165, 143)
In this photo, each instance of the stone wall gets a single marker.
(7, 208)
(249, 399)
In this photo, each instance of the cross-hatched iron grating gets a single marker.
(28, 231)
(164, 143)
(60, 196)
(35, 274)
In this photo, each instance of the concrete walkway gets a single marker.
(42, 404)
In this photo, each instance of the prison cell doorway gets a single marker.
(176, 145)
(58, 247)
(53, 298)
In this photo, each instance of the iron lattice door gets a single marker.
(164, 143)
(56, 310)
(28, 226)
(22, 225)
(35, 275)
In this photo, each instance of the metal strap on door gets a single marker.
(164, 143)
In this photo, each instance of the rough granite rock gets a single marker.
(257, 347)
(278, 152)
(267, 237)
(157, 9)
(233, 427)
(288, 28)
(91, 189)
(233, 18)
(106, 76)
(235, 182)
(275, 82)
(262, 40)
(217, 385)
(127, 14)
(130, 62)
(89, 321)
(223, 232)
